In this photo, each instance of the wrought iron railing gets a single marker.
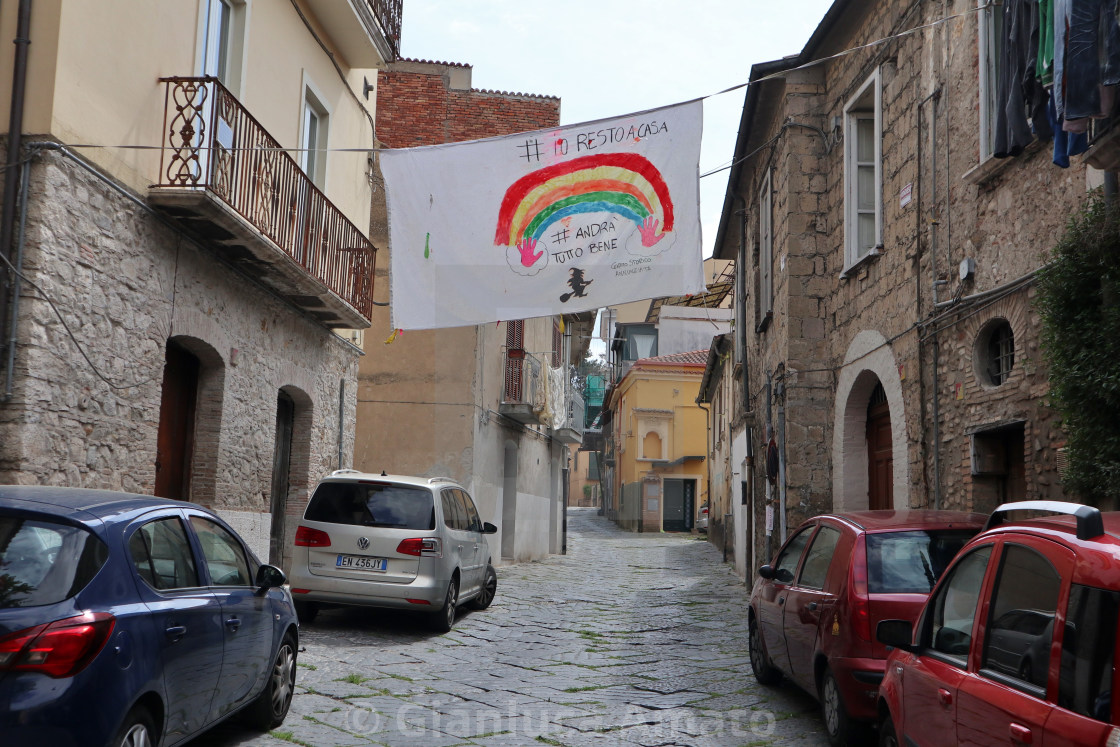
(576, 411)
(523, 380)
(213, 143)
(388, 15)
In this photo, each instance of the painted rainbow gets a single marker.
(622, 183)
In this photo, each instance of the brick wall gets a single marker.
(420, 104)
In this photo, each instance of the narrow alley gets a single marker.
(630, 639)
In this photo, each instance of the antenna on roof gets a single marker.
(383, 473)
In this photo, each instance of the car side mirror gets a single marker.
(767, 572)
(269, 577)
(895, 633)
(488, 528)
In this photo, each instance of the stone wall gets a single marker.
(835, 333)
(126, 281)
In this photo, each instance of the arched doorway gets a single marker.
(175, 437)
(281, 473)
(880, 455)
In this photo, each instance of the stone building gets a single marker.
(886, 260)
(467, 402)
(184, 229)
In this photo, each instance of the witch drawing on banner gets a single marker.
(577, 284)
(622, 186)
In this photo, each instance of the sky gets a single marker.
(605, 58)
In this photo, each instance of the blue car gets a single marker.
(134, 621)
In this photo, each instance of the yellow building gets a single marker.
(659, 442)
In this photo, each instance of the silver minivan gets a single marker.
(413, 543)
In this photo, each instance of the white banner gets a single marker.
(545, 222)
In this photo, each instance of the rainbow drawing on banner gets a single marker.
(624, 184)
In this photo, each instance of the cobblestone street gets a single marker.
(629, 639)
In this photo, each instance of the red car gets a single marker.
(1016, 645)
(813, 610)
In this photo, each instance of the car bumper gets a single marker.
(428, 591)
(858, 680)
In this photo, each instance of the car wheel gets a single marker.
(837, 724)
(271, 707)
(486, 593)
(138, 730)
(887, 735)
(760, 662)
(306, 612)
(443, 618)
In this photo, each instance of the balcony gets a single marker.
(367, 32)
(569, 428)
(523, 395)
(231, 183)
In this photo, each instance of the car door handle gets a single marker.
(233, 624)
(812, 606)
(175, 632)
(781, 600)
(944, 697)
(1020, 733)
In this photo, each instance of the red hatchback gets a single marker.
(813, 610)
(1017, 643)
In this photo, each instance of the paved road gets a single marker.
(630, 639)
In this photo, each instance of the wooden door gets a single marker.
(175, 439)
(880, 458)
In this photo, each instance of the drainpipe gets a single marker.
(936, 345)
(782, 457)
(766, 483)
(8, 290)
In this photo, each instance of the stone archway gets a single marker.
(869, 362)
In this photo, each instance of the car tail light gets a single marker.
(308, 537)
(58, 649)
(430, 547)
(857, 592)
(704, 511)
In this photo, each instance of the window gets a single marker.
(374, 505)
(815, 570)
(910, 562)
(474, 523)
(222, 31)
(1024, 605)
(42, 562)
(765, 253)
(1088, 650)
(162, 555)
(224, 556)
(313, 141)
(862, 172)
(995, 352)
(786, 563)
(453, 517)
(954, 609)
(991, 26)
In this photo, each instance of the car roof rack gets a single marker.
(1089, 523)
(434, 480)
(346, 471)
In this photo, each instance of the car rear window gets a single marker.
(373, 505)
(911, 562)
(43, 562)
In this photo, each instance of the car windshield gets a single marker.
(42, 562)
(911, 562)
(373, 505)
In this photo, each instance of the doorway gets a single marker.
(281, 473)
(880, 455)
(175, 437)
(678, 505)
